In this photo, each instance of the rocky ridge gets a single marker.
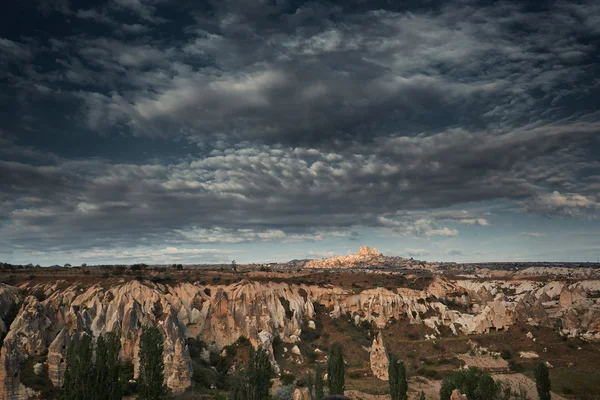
(220, 314)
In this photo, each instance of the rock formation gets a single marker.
(302, 393)
(457, 395)
(379, 359)
(364, 257)
(260, 311)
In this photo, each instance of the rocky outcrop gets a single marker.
(457, 395)
(380, 361)
(9, 298)
(260, 311)
(302, 393)
(364, 257)
(570, 295)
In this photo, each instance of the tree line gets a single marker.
(94, 371)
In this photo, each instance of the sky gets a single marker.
(270, 130)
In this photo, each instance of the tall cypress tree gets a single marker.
(151, 368)
(402, 382)
(319, 383)
(397, 379)
(79, 378)
(254, 382)
(107, 367)
(259, 374)
(336, 370)
(393, 377)
(542, 381)
(92, 372)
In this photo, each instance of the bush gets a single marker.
(506, 354)
(475, 384)
(428, 373)
(514, 366)
(288, 379)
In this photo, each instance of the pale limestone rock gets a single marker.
(529, 335)
(528, 354)
(457, 395)
(311, 325)
(570, 295)
(296, 350)
(302, 393)
(379, 358)
(221, 314)
(38, 369)
(364, 256)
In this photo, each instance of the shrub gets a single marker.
(428, 373)
(288, 379)
(506, 354)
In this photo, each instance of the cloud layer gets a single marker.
(293, 122)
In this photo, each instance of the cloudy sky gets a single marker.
(267, 130)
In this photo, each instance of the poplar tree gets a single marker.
(542, 381)
(397, 379)
(254, 382)
(319, 383)
(151, 369)
(107, 367)
(259, 374)
(92, 372)
(335, 370)
(78, 377)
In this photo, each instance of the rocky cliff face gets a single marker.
(219, 315)
(379, 359)
(365, 256)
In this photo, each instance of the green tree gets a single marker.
(259, 374)
(151, 368)
(542, 381)
(335, 370)
(402, 382)
(92, 372)
(475, 384)
(254, 382)
(78, 378)
(397, 379)
(422, 395)
(107, 367)
(310, 384)
(319, 383)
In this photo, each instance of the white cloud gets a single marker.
(416, 252)
(473, 221)
(533, 234)
(455, 252)
(564, 204)
(442, 232)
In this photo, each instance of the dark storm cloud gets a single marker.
(306, 120)
(308, 73)
(257, 193)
